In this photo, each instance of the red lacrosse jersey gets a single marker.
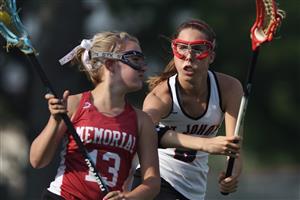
(111, 143)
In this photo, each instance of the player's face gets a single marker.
(132, 78)
(192, 52)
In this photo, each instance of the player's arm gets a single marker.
(232, 96)
(231, 90)
(148, 158)
(220, 145)
(45, 144)
(158, 104)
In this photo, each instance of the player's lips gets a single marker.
(188, 68)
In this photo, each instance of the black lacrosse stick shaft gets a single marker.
(247, 90)
(248, 83)
(35, 63)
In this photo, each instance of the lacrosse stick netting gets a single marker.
(268, 19)
(15, 34)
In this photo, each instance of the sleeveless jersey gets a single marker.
(186, 170)
(111, 143)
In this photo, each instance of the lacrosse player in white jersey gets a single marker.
(189, 102)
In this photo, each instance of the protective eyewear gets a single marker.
(134, 59)
(200, 48)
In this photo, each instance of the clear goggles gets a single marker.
(199, 48)
(134, 59)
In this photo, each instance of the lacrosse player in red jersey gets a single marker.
(113, 131)
(188, 102)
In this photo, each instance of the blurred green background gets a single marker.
(271, 144)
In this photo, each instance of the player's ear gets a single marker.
(212, 57)
(110, 64)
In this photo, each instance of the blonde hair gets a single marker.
(170, 68)
(102, 42)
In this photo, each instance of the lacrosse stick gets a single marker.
(12, 29)
(268, 18)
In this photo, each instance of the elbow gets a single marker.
(34, 165)
(36, 162)
(153, 187)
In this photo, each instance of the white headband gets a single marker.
(87, 45)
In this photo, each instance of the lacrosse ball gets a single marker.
(5, 18)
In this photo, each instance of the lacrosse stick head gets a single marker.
(12, 29)
(268, 19)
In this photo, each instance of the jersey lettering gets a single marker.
(113, 170)
(107, 137)
(201, 129)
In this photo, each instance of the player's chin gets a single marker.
(136, 86)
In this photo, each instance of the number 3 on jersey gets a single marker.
(113, 170)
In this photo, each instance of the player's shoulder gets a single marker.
(73, 102)
(141, 115)
(161, 91)
(161, 88)
(227, 82)
(230, 88)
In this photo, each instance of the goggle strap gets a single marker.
(206, 42)
(109, 55)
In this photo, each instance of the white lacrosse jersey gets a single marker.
(186, 170)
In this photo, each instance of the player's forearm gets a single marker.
(172, 139)
(238, 166)
(44, 146)
(147, 190)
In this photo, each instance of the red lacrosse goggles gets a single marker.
(200, 48)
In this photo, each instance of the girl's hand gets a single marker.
(115, 195)
(223, 145)
(229, 184)
(57, 106)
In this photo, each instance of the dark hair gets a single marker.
(199, 25)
